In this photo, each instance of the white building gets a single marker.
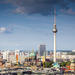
(70, 57)
(12, 57)
(17, 52)
(21, 57)
(6, 55)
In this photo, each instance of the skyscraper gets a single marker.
(42, 50)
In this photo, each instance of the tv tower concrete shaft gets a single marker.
(54, 31)
(54, 47)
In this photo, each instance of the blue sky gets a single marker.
(25, 24)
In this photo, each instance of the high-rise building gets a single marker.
(6, 55)
(17, 52)
(42, 50)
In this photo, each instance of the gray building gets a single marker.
(42, 50)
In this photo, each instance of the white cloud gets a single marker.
(2, 29)
(19, 10)
(5, 30)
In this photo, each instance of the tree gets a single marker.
(48, 64)
(64, 64)
(68, 63)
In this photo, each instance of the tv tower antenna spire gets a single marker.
(54, 31)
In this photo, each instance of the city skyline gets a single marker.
(24, 27)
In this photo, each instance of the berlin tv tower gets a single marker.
(54, 31)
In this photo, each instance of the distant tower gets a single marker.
(54, 31)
